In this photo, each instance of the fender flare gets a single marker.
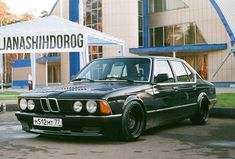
(202, 94)
(133, 98)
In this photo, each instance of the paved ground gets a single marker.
(216, 140)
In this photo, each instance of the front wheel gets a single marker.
(133, 121)
(202, 114)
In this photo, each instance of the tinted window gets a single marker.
(163, 67)
(190, 74)
(180, 71)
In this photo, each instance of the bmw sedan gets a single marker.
(119, 97)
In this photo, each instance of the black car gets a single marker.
(119, 97)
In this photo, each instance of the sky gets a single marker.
(32, 6)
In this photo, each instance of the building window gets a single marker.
(93, 19)
(190, 33)
(93, 14)
(168, 35)
(178, 34)
(165, 5)
(140, 21)
(54, 73)
(173, 35)
(199, 38)
(50, 54)
(199, 63)
(158, 36)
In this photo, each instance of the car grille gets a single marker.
(50, 105)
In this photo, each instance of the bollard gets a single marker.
(2, 107)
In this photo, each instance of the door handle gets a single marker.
(194, 87)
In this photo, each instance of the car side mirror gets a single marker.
(161, 78)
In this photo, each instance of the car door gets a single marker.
(185, 91)
(164, 96)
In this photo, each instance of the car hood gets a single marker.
(83, 90)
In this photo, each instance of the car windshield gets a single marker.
(129, 69)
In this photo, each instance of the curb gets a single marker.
(11, 107)
(215, 112)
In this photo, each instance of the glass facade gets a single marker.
(165, 5)
(140, 21)
(158, 36)
(173, 35)
(93, 19)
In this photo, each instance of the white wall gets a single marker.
(120, 19)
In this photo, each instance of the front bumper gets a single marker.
(73, 125)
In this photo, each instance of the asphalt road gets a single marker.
(176, 141)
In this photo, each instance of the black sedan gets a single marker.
(119, 97)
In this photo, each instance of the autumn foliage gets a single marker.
(6, 17)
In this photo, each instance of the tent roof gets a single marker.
(53, 24)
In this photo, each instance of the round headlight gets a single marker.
(31, 105)
(91, 106)
(23, 104)
(77, 106)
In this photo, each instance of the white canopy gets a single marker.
(39, 29)
(52, 34)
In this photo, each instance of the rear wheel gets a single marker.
(133, 121)
(202, 114)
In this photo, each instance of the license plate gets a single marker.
(48, 122)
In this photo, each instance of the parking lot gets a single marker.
(176, 141)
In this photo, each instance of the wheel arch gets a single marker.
(134, 98)
(201, 95)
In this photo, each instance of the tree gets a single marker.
(6, 17)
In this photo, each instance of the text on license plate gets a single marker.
(50, 122)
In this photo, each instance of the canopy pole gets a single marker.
(46, 73)
(122, 50)
(33, 69)
(1, 71)
(174, 54)
(81, 12)
(61, 8)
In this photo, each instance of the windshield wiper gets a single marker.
(82, 79)
(117, 78)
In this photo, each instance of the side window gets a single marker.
(190, 74)
(181, 74)
(163, 67)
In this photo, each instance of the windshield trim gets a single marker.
(114, 80)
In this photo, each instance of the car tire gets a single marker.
(133, 121)
(201, 115)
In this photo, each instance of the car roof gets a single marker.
(148, 57)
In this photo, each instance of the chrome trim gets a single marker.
(83, 99)
(49, 106)
(72, 116)
(46, 105)
(92, 116)
(176, 107)
(57, 105)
